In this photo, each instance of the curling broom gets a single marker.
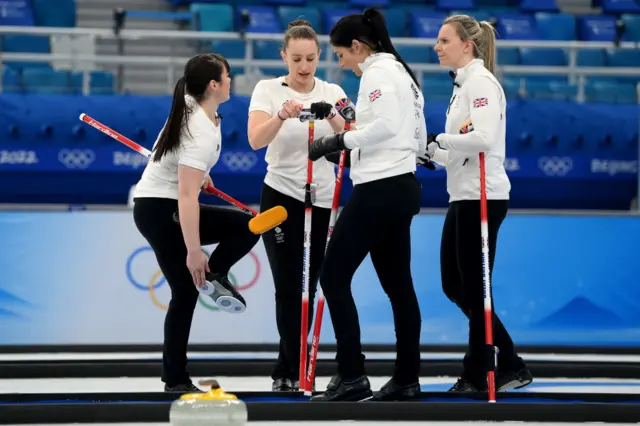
(261, 222)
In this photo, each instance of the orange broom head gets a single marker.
(267, 220)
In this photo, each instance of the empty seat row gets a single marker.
(43, 13)
(47, 80)
(418, 21)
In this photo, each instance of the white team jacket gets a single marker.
(390, 126)
(478, 99)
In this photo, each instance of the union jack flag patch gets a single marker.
(480, 102)
(374, 95)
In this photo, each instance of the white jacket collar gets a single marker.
(463, 73)
(375, 57)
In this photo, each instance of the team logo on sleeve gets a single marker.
(466, 127)
(374, 95)
(480, 102)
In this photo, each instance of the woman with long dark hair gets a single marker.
(167, 212)
(376, 220)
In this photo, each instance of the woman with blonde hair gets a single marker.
(476, 123)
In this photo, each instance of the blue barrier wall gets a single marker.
(558, 280)
(559, 154)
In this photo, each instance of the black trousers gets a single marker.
(461, 269)
(377, 221)
(154, 218)
(284, 251)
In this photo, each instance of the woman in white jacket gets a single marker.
(476, 122)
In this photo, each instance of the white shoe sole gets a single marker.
(230, 304)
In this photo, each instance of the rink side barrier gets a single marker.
(264, 367)
(270, 406)
(559, 281)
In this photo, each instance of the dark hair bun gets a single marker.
(300, 23)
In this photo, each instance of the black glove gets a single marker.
(326, 145)
(425, 159)
(334, 157)
(320, 110)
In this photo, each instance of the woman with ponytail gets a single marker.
(476, 122)
(168, 215)
(376, 220)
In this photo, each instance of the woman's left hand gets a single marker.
(208, 182)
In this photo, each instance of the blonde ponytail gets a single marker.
(487, 45)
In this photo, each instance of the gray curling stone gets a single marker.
(215, 407)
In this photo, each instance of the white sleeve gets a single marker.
(260, 99)
(486, 116)
(338, 93)
(382, 95)
(196, 148)
(441, 156)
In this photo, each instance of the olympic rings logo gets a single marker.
(157, 279)
(555, 166)
(240, 161)
(76, 158)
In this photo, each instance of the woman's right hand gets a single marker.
(198, 265)
(290, 109)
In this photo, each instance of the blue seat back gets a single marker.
(58, 13)
(556, 26)
(17, 13)
(516, 26)
(213, 17)
(292, 13)
(262, 19)
(597, 28)
(425, 24)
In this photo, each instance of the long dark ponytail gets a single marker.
(198, 73)
(369, 28)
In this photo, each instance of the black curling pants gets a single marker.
(155, 219)
(461, 270)
(284, 247)
(377, 221)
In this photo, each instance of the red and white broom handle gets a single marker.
(486, 276)
(315, 340)
(144, 151)
(306, 265)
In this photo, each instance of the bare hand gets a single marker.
(208, 182)
(290, 109)
(198, 265)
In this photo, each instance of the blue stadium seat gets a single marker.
(620, 6)
(262, 19)
(45, 80)
(415, 54)
(230, 49)
(517, 26)
(291, 13)
(368, 3)
(479, 15)
(25, 44)
(610, 92)
(425, 24)
(213, 17)
(632, 26)
(330, 17)
(508, 56)
(597, 28)
(556, 26)
(591, 58)
(539, 6)
(623, 57)
(58, 13)
(543, 56)
(285, 2)
(101, 82)
(437, 86)
(10, 80)
(17, 13)
(267, 49)
(396, 19)
(455, 4)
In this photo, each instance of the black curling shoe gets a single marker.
(392, 391)
(353, 389)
